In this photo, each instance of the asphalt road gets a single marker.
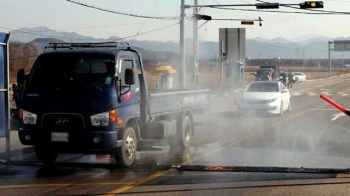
(313, 135)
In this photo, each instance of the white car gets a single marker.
(299, 76)
(265, 96)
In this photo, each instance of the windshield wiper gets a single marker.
(261, 169)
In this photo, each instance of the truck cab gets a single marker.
(75, 99)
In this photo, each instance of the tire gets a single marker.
(45, 154)
(290, 106)
(125, 154)
(281, 109)
(183, 135)
(173, 142)
(186, 132)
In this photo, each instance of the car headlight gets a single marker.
(101, 119)
(271, 100)
(28, 118)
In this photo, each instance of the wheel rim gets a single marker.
(290, 106)
(130, 146)
(281, 108)
(187, 132)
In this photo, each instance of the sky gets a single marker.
(62, 15)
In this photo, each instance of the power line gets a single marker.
(64, 38)
(312, 10)
(145, 21)
(146, 32)
(122, 13)
(271, 11)
(95, 27)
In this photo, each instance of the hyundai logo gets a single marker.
(61, 121)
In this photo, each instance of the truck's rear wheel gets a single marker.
(183, 135)
(125, 154)
(45, 154)
(186, 132)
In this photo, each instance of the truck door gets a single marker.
(129, 97)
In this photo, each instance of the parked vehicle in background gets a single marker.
(265, 96)
(299, 77)
(275, 72)
(262, 74)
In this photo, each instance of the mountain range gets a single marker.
(307, 46)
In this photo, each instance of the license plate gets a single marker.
(59, 137)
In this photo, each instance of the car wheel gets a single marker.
(290, 106)
(281, 109)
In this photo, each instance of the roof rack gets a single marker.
(115, 45)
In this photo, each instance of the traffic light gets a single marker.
(267, 5)
(224, 56)
(247, 22)
(311, 4)
(202, 17)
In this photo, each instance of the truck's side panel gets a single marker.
(172, 102)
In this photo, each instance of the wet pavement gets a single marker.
(309, 136)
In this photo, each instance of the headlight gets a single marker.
(101, 119)
(271, 100)
(29, 118)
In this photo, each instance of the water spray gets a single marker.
(336, 105)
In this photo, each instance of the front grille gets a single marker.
(256, 101)
(64, 122)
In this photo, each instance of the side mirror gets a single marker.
(129, 76)
(20, 76)
(14, 87)
(284, 91)
(254, 74)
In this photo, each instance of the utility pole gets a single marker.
(182, 47)
(329, 57)
(297, 54)
(303, 57)
(195, 45)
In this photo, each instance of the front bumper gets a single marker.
(273, 108)
(78, 141)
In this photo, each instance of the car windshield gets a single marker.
(263, 87)
(170, 97)
(60, 69)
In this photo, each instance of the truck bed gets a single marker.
(171, 101)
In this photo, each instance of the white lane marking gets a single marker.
(344, 94)
(336, 116)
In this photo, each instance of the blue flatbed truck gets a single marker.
(92, 98)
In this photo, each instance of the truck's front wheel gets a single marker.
(126, 153)
(45, 154)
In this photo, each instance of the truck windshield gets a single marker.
(62, 69)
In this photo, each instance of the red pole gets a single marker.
(339, 107)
